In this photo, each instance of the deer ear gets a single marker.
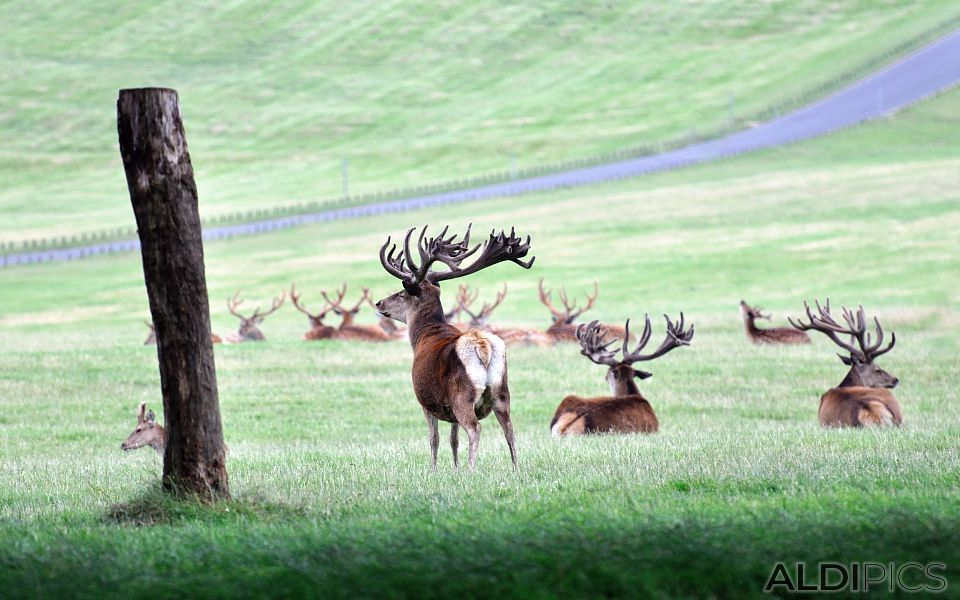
(141, 412)
(642, 374)
(847, 360)
(151, 418)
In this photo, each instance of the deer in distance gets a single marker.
(627, 411)
(249, 326)
(458, 377)
(317, 331)
(152, 336)
(864, 396)
(348, 330)
(563, 328)
(510, 335)
(774, 335)
(146, 433)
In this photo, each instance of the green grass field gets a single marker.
(275, 95)
(328, 456)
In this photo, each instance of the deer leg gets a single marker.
(454, 443)
(434, 437)
(467, 418)
(501, 408)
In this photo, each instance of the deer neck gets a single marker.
(347, 320)
(427, 320)
(750, 325)
(852, 379)
(622, 382)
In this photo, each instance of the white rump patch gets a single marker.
(472, 348)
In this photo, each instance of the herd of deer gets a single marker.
(460, 368)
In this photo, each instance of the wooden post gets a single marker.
(164, 197)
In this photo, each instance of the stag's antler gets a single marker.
(856, 328)
(676, 337)
(235, 301)
(594, 345)
(295, 298)
(568, 313)
(498, 248)
(337, 304)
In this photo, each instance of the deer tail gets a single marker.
(873, 412)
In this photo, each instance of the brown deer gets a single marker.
(317, 331)
(627, 411)
(864, 396)
(563, 329)
(388, 325)
(774, 335)
(146, 433)
(348, 330)
(458, 377)
(249, 331)
(510, 335)
(152, 336)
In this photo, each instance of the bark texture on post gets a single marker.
(164, 197)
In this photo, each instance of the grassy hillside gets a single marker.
(276, 94)
(328, 455)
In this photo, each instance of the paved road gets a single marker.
(915, 77)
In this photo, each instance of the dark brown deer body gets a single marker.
(563, 327)
(146, 433)
(458, 377)
(774, 335)
(511, 336)
(249, 330)
(348, 330)
(627, 411)
(317, 331)
(863, 397)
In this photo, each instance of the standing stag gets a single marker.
(249, 331)
(627, 411)
(563, 328)
(774, 335)
(510, 335)
(458, 377)
(146, 433)
(317, 331)
(864, 396)
(347, 329)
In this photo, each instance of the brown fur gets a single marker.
(147, 433)
(774, 335)
(858, 406)
(605, 414)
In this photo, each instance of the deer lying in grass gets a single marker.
(774, 335)
(563, 328)
(317, 331)
(627, 411)
(146, 433)
(249, 331)
(512, 336)
(864, 396)
(458, 377)
(152, 336)
(348, 330)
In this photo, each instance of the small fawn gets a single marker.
(864, 396)
(774, 335)
(146, 433)
(627, 411)
(458, 377)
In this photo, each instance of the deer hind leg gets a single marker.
(466, 417)
(434, 437)
(501, 408)
(455, 443)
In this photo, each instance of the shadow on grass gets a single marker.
(157, 507)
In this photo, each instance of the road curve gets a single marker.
(919, 75)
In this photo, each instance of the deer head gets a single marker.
(248, 325)
(146, 433)
(570, 311)
(480, 320)
(346, 313)
(753, 312)
(621, 373)
(860, 357)
(419, 301)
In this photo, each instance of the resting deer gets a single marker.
(627, 411)
(347, 329)
(249, 331)
(146, 433)
(563, 329)
(458, 377)
(864, 396)
(152, 336)
(317, 331)
(510, 335)
(774, 335)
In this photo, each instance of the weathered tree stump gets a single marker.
(164, 197)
